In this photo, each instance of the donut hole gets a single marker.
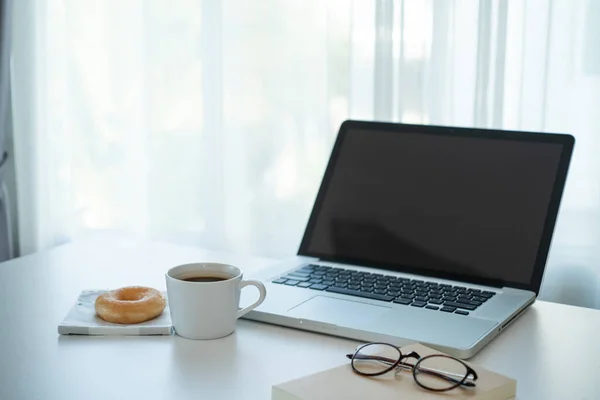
(131, 295)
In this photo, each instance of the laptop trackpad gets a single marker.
(337, 311)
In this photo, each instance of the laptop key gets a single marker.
(447, 309)
(480, 299)
(280, 280)
(301, 273)
(418, 304)
(487, 294)
(461, 312)
(304, 284)
(291, 282)
(402, 301)
(358, 293)
(420, 298)
(470, 302)
(297, 278)
(318, 286)
(436, 301)
(432, 307)
(354, 287)
(459, 305)
(316, 280)
(463, 299)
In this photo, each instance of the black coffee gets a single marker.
(205, 279)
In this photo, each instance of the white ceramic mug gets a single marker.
(208, 307)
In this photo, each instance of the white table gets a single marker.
(552, 350)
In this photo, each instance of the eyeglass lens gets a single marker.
(439, 372)
(375, 359)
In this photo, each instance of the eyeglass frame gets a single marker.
(399, 365)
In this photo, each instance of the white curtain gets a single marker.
(211, 122)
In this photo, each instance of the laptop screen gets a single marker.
(456, 205)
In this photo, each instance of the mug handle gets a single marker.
(262, 291)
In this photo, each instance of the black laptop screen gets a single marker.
(467, 206)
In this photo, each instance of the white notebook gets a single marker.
(82, 320)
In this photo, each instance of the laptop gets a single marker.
(428, 234)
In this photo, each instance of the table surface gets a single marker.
(552, 350)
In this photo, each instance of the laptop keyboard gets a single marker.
(409, 292)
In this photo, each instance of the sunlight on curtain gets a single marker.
(210, 123)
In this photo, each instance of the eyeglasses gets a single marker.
(437, 372)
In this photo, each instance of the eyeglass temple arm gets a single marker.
(383, 359)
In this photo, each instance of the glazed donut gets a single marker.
(130, 305)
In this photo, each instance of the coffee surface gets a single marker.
(205, 279)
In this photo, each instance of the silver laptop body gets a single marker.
(438, 235)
